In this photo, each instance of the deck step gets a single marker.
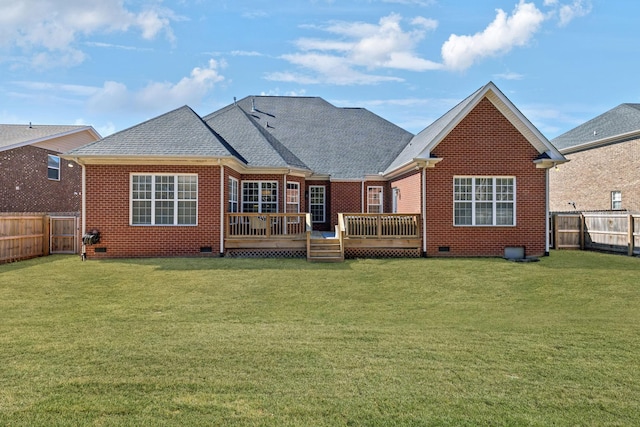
(325, 250)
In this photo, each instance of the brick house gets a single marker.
(604, 172)
(262, 172)
(33, 177)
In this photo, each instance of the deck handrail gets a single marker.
(381, 225)
(265, 225)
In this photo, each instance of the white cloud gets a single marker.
(411, 2)
(326, 69)
(114, 96)
(45, 26)
(500, 36)
(576, 9)
(245, 53)
(358, 49)
(509, 76)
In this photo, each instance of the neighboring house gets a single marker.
(33, 177)
(249, 176)
(604, 171)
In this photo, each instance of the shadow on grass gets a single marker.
(28, 263)
(193, 264)
(590, 260)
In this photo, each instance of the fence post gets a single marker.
(630, 239)
(46, 234)
(582, 227)
(554, 222)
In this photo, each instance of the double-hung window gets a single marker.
(484, 201)
(260, 196)
(374, 200)
(317, 203)
(233, 195)
(293, 200)
(616, 200)
(164, 199)
(53, 167)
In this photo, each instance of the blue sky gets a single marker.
(113, 63)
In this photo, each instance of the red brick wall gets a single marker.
(590, 176)
(24, 186)
(345, 198)
(486, 144)
(107, 193)
(410, 194)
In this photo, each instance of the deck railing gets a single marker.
(363, 225)
(266, 225)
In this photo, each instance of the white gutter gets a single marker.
(424, 210)
(598, 142)
(222, 223)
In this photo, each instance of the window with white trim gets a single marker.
(374, 200)
(317, 203)
(484, 201)
(53, 167)
(233, 195)
(164, 199)
(616, 200)
(293, 200)
(260, 196)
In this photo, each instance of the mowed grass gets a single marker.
(278, 342)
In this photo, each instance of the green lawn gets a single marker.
(286, 342)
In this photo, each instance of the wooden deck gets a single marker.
(355, 235)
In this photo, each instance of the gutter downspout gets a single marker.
(424, 211)
(84, 198)
(222, 223)
(362, 196)
(547, 216)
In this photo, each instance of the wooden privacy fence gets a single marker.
(611, 232)
(23, 237)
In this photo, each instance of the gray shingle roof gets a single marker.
(255, 144)
(178, 133)
(344, 143)
(620, 120)
(305, 133)
(17, 135)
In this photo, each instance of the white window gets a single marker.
(484, 201)
(260, 196)
(164, 199)
(293, 200)
(53, 168)
(233, 195)
(616, 200)
(374, 199)
(317, 203)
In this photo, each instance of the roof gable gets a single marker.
(178, 133)
(422, 145)
(615, 124)
(14, 136)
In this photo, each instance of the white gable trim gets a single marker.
(510, 112)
